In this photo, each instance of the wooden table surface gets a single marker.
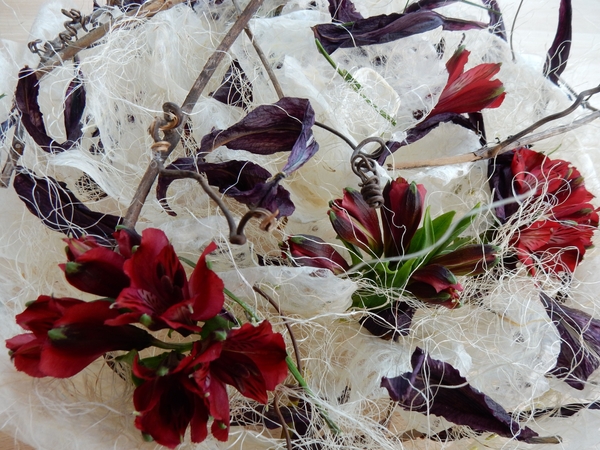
(535, 30)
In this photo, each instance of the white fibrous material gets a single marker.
(501, 340)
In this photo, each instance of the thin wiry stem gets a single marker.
(234, 237)
(261, 56)
(286, 432)
(285, 322)
(512, 30)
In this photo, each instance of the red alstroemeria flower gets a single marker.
(67, 335)
(556, 246)
(557, 241)
(469, 91)
(93, 268)
(160, 294)
(169, 399)
(184, 391)
(356, 222)
(252, 360)
(401, 215)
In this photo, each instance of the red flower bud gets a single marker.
(93, 268)
(469, 260)
(356, 222)
(435, 284)
(312, 251)
(401, 214)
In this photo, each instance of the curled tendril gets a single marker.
(364, 165)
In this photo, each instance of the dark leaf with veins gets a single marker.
(60, 210)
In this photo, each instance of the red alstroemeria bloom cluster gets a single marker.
(556, 241)
(187, 390)
(469, 91)
(359, 227)
(143, 282)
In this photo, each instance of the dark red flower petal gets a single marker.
(252, 360)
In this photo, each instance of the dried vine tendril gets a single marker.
(364, 165)
(77, 21)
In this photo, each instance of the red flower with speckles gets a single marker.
(469, 91)
(160, 295)
(178, 391)
(67, 335)
(557, 241)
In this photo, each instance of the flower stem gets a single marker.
(183, 347)
(355, 85)
(242, 303)
(291, 366)
(302, 382)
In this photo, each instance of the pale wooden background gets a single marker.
(534, 33)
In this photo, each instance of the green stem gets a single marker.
(355, 85)
(291, 366)
(242, 303)
(302, 382)
(184, 347)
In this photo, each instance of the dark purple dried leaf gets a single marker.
(422, 129)
(60, 210)
(579, 353)
(496, 20)
(390, 323)
(558, 54)
(26, 100)
(235, 87)
(6, 126)
(427, 4)
(74, 106)
(435, 387)
(500, 178)
(478, 125)
(285, 126)
(386, 28)
(245, 181)
(343, 11)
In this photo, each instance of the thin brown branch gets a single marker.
(178, 174)
(215, 59)
(285, 322)
(146, 11)
(261, 56)
(174, 136)
(518, 140)
(286, 432)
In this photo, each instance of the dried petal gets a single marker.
(343, 11)
(60, 210)
(558, 53)
(285, 126)
(235, 88)
(579, 353)
(386, 28)
(435, 387)
(244, 181)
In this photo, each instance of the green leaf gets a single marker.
(461, 226)
(442, 223)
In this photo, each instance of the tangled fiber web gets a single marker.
(501, 340)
